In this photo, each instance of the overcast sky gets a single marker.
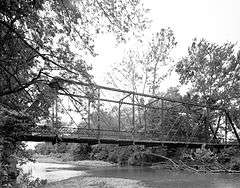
(215, 20)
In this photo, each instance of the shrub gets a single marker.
(138, 159)
(99, 152)
(81, 152)
(25, 180)
(235, 166)
(126, 152)
(227, 154)
(205, 155)
(113, 156)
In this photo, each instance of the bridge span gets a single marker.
(93, 114)
(124, 142)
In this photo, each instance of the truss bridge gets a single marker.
(86, 113)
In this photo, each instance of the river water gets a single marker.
(150, 177)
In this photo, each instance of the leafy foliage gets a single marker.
(170, 120)
(205, 155)
(80, 152)
(213, 71)
(228, 154)
(27, 181)
(50, 37)
(11, 151)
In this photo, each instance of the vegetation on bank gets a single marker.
(76, 152)
(25, 180)
(199, 160)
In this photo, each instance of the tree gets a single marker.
(42, 39)
(158, 56)
(45, 36)
(11, 123)
(213, 72)
(165, 118)
(170, 120)
(143, 70)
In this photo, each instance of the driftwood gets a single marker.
(220, 171)
(206, 168)
(163, 157)
(209, 170)
(188, 167)
(226, 171)
(181, 164)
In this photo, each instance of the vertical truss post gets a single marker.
(98, 114)
(214, 138)
(55, 122)
(119, 117)
(162, 105)
(89, 112)
(145, 123)
(225, 130)
(207, 125)
(133, 115)
(232, 125)
(119, 112)
(56, 110)
(53, 113)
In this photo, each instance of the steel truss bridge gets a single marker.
(93, 114)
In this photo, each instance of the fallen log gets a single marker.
(163, 157)
(180, 164)
(226, 171)
(192, 169)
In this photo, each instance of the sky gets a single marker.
(215, 20)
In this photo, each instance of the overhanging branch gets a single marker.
(22, 87)
(35, 50)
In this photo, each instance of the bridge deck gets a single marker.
(122, 142)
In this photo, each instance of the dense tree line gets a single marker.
(122, 155)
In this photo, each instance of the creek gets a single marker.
(150, 177)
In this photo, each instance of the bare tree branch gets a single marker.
(23, 86)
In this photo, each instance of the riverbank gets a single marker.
(49, 159)
(83, 180)
(82, 163)
(74, 174)
(132, 177)
(104, 174)
(96, 182)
